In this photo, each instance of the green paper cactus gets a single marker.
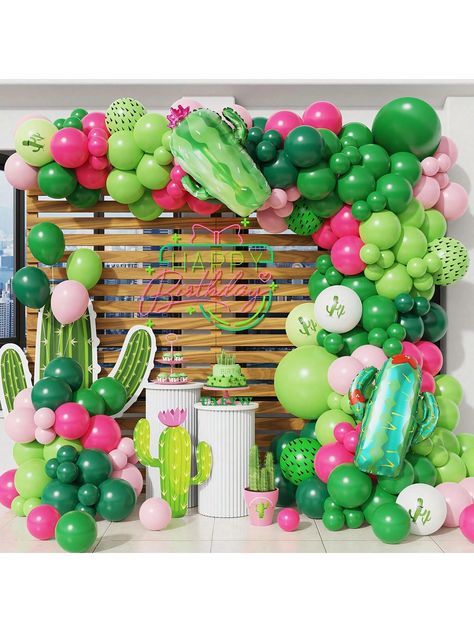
(14, 374)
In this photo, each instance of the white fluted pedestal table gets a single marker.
(164, 397)
(230, 431)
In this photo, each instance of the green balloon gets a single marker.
(84, 198)
(46, 242)
(30, 504)
(124, 186)
(304, 146)
(326, 423)
(465, 439)
(302, 220)
(117, 499)
(301, 326)
(301, 382)
(31, 478)
(56, 181)
(354, 518)
(354, 339)
(123, 114)
(413, 215)
(448, 413)
(50, 451)
(88, 494)
(394, 281)
(67, 453)
(377, 498)
(94, 467)
(146, 208)
(412, 243)
(316, 284)
(316, 183)
(348, 486)
(396, 190)
(435, 323)
(375, 159)
(148, 131)
(382, 229)
(85, 509)
(33, 139)
(61, 496)
(434, 225)
(394, 485)
(67, 472)
(327, 207)
(391, 523)
(152, 175)
(286, 489)
(308, 430)
(407, 124)
(378, 312)
(334, 519)
(92, 401)
(468, 459)
(59, 123)
(423, 448)
(310, 497)
(413, 325)
(124, 153)
(259, 121)
(162, 156)
(425, 471)
(453, 471)
(113, 393)
(73, 121)
(51, 468)
(361, 286)
(85, 266)
(31, 287)
(406, 165)
(79, 113)
(17, 506)
(439, 456)
(356, 134)
(50, 392)
(76, 532)
(25, 451)
(297, 459)
(280, 441)
(356, 185)
(447, 438)
(281, 173)
(332, 144)
(66, 369)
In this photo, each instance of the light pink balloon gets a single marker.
(369, 355)
(449, 147)
(278, 198)
(184, 102)
(118, 459)
(426, 191)
(442, 179)
(468, 484)
(155, 514)
(432, 356)
(341, 373)
(285, 211)
(23, 399)
(20, 425)
(69, 301)
(328, 457)
(133, 459)
(324, 236)
(343, 223)
(453, 201)
(292, 193)
(444, 162)
(127, 446)
(429, 166)
(28, 117)
(132, 475)
(457, 498)
(45, 436)
(245, 114)
(44, 418)
(410, 349)
(20, 174)
(270, 222)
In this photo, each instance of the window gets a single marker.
(12, 257)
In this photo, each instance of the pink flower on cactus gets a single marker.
(176, 115)
(172, 418)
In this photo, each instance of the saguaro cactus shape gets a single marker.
(174, 458)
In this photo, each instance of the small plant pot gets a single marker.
(261, 506)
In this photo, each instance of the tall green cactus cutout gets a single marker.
(14, 375)
(174, 459)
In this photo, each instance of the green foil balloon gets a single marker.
(31, 287)
(391, 523)
(310, 497)
(348, 486)
(46, 242)
(85, 266)
(76, 532)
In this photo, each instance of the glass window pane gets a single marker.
(7, 260)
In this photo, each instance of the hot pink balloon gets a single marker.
(324, 236)
(428, 384)
(432, 356)
(132, 475)
(410, 349)
(453, 201)
(69, 301)
(288, 519)
(41, 522)
(457, 498)
(44, 418)
(97, 145)
(427, 191)
(271, 222)
(341, 373)
(164, 199)
(45, 436)
(369, 355)
(127, 446)
(69, 147)
(345, 255)
(468, 484)
(72, 421)
(466, 523)
(201, 207)
(23, 399)
(103, 434)
(330, 456)
(449, 147)
(118, 459)
(323, 114)
(20, 425)
(19, 174)
(283, 121)
(343, 223)
(94, 120)
(7, 488)
(99, 163)
(341, 430)
(350, 441)
(91, 178)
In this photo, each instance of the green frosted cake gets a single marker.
(226, 373)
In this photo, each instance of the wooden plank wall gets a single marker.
(128, 246)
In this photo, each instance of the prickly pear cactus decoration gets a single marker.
(454, 260)
(297, 459)
(123, 114)
(14, 375)
(212, 153)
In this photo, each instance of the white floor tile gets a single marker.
(448, 535)
(267, 546)
(457, 547)
(421, 545)
(365, 533)
(191, 527)
(241, 529)
(107, 545)
(29, 546)
(5, 516)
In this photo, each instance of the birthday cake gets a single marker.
(226, 373)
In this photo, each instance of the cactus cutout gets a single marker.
(14, 375)
(261, 478)
(174, 459)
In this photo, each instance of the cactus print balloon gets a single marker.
(297, 459)
(454, 257)
(123, 114)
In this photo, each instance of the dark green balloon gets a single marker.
(88, 494)
(404, 303)
(46, 242)
(76, 531)
(59, 123)
(396, 190)
(413, 325)
(66, 369)
(304, 146)
(286, 489)
(310, 497)
(50, 392)
(266, 151)
(31, 287)
(332, 144)
(422, 305)
(51, 467)
(435, 323)
(407, 165)
(356, 134)
(316, 284)
(334, 519)
(117, 499)
(377, 498)
(280, 441)
(354, 518)
(361, 285)
(297, 459)
(316, 183)
(67, 472)
(56, 181)
(394, 485)
(274, 137)
(89, 510)
(391, 523)
(378, 336)
(323, 263)
(73, 121)
(94, 466)
(348, 486)
(79, 113)
(308, 430)
(425, 471)
(333, 343)
(375, 159)
(84, 198)
(325, 208)
(356, 184)
(92, 401)
(113, 393)
(281, 173)
(260, 122)
(61, 496)
(354, 339)
(378, 312)
(67, 453)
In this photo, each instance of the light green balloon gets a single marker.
(453, 472)
(434, 225)
(327, 422)
(414, 215)
(50, 450)
(412, 243)
(31, 479)
(25, 451)
(468, 459)
(30, 504)
(149, 130)
(124, 186)
(395, 280)
(33, 140)
(17, 506)
(466, 441)
(146, 208)
(85, 266)
(382, 229)
(151, 174)
(446, 438)
(301, 326)
(448, 386)
(124, 153)
(448, 413)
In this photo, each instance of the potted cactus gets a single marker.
(261, 495)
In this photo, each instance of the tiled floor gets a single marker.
(200, 534)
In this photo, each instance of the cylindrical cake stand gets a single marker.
(230, 431)
(164, 397)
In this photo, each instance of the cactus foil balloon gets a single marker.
(394, 416)
(174, 459)
(212, 154)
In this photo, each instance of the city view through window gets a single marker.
(7, 260)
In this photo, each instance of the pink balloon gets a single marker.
(432, 356)
(292, 193)
(69, 147)
(184, 102)
(283, 121)
(69, 301)
(448, 146)
(466, 523)
(271, 222)
(132, 475)
(453, 201)
(23, 399)
(284, 211)
(164, 199)
(341, 373)
(99, 163)
(28, 117)
(330, 456)
(94, 120)
(41, 522)
(243, 113)
(345, 255)
(341, 430)
(175, 189)
(201, 207)
(444, 162)
(103, 434)
(177, 173)
(72, 421)
(343, 223)
(278, 198)
(350, 441)
(428, 384)
(44, 418)
(97, 145)
(429, 166)
(442, 179)
(155, 514)
(288, 519)
(45, 436)
(457, 498)
(468, 484)
(91, 178)
(7, 488)
(119, 459)
(127, 446)
(410, 349)
(20, 174)
(324, 236)
(20, 425)
(133, 459)
(369, 355)
(97, 131)
(427, 191)
(323, 114)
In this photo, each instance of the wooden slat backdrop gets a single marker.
(127, 245)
